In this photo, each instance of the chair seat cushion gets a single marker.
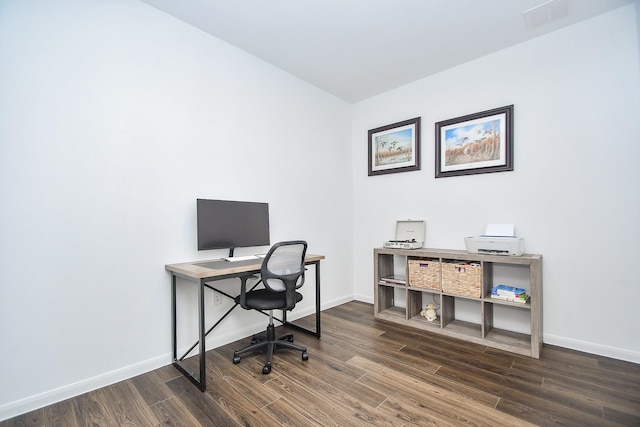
(263, 299)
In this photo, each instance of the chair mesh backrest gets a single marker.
(283, 267)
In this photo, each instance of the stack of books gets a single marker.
(510, 293)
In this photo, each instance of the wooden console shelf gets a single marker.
(391, 280)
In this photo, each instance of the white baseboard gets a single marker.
(336, 302)
(31, 403)
(364, 298)
(50, 397)
(589, 347)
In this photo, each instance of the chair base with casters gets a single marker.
(271, 343)
(282, 273)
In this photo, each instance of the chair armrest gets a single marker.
(243, 288)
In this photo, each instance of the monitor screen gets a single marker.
(227, 224)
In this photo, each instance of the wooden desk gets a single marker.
(205, 273)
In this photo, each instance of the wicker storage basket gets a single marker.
(462, 278)
(424, 273)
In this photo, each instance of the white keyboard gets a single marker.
(240, 258)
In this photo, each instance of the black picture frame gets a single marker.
(394, 148)
(476, 143)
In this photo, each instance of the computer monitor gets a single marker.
(228, 224)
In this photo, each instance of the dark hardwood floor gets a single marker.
(366, 372)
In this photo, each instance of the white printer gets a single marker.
(409, 235)
(498, 239)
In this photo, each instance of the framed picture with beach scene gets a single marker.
(395, 148)
(476, 143)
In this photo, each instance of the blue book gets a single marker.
(509, 291)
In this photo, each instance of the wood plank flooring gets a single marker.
(367, 372)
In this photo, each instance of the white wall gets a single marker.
(573, 194)
(114, 118)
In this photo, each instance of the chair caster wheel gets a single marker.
(254, 341)
(266, 369)
(290, 339)
(305, 356)
(236, 359)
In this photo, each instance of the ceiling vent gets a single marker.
(545, 13)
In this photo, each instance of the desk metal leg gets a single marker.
(318, 299)
(315, 333)
(200, 382)
(203, 353)
(174, 336)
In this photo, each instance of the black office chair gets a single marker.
(282, 272)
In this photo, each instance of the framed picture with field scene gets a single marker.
(395, 148)
(476, 143)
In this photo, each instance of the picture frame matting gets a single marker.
(394, 148)
(475, 144)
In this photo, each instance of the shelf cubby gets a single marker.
(463, 312)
